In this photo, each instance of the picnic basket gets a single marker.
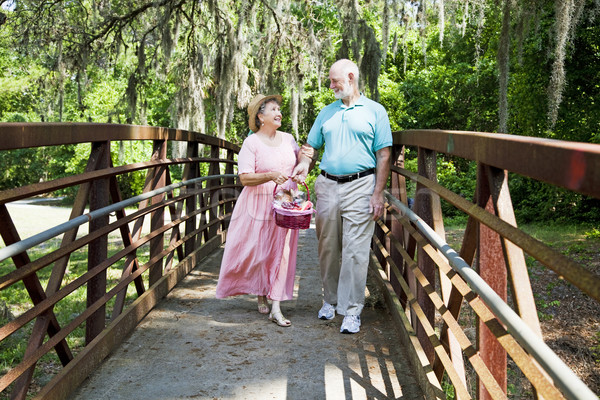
(293, 219)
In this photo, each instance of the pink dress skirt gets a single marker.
(259, 256)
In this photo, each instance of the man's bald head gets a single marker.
(346, 67)
(343, 77)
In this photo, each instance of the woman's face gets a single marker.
(271, 115)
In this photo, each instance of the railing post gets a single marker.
(98, 249)
(398, 190)
(228, 181)
(492, 268)
(157, 217)
(515, 259)
(213, 198)
(427, 204)
(191, 171)
(48, 321)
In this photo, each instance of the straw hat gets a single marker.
(254, 106)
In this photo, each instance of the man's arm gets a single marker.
(381, 175)
(307, 157)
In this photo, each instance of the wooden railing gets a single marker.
(119, 284)
(429, 285)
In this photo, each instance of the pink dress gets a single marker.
(259, 256)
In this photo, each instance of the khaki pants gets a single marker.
(344, 229)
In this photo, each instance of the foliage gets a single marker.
(16, 300)
(195, 65)
(593, 234)
(535, 200)
(459, 178)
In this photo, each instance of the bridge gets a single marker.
(416, 344)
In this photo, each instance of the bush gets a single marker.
(538, 201)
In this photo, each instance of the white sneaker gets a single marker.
(350, 324)
(327, 311)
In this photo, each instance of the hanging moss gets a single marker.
(218, 54)
(385, 31)
(371, 60)
(568, 14)
(442, 20)
(503, 67)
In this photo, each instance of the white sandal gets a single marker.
(263, 305)
(279, 319)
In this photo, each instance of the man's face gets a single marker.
(339, 83)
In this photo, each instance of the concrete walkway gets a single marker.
(196, 346)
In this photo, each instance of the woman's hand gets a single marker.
(255, 179)
(300, 171)
(278, 177)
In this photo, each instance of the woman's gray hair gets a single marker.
(261, 110)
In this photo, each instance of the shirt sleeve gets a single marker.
(247, 158)
(383, 131)
(315, 136)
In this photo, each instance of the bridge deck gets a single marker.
(196, 346)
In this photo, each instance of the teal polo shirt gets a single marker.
(351, 135)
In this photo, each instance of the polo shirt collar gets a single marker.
(360, 102)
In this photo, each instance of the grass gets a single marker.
(578, 241)
(15, 300)
(558, 302)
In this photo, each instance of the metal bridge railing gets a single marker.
(429, 286)
(120, 282)
(426, 290)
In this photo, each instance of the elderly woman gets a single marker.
(260, 257)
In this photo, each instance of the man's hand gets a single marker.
(300, 171)
(376, 205)
(377, 202)
(306, 156)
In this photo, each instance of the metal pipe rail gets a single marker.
(26, 244)
(200, 206)
(562, 375)
(430, 299)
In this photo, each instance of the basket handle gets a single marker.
(305, 185)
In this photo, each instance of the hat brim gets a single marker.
(254, 106)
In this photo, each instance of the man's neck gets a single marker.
(352, 99)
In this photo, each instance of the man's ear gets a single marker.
(351, 79)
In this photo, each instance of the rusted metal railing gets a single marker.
(199, 206)
(428, 283)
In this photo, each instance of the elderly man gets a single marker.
(356, 135)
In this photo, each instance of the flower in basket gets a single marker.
(291, 200)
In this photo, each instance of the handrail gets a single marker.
(557, 369)
(26, 244)
(34, 189)
(553, 259)
(16, 135)
(150, 264)
(575, 165)
(429, 299)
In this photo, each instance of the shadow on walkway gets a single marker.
(193, 345)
